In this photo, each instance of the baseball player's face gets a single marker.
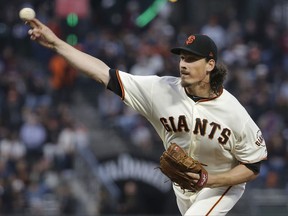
(193, 70)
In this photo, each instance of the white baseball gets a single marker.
(27, 14)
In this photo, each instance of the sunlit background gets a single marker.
(69, 147)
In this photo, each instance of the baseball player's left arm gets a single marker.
(251, 148)
(237, 175)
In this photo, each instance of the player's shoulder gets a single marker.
(226, 95)
(155, 79)
(234, 103)
(169, 80)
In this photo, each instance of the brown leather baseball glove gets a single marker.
(174, 163)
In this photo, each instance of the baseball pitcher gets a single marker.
(212, 146)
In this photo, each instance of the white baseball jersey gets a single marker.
(218, 132)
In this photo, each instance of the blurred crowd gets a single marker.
(38, 134)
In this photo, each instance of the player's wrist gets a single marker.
(211, 182)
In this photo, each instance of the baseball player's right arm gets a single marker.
(83, 62)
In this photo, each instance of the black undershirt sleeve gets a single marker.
(255, 167)
(113, 84)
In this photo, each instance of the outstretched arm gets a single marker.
(89, 65)
(237, 175)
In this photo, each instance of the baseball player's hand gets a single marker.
(178, 166)
(194, 177)
(42, 34)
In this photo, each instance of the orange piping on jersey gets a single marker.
(121, 85)
(208, 99)
(218, 201)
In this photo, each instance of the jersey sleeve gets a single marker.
(113, 84)
(135, 91)
(251, 147)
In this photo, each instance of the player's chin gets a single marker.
(185, 82)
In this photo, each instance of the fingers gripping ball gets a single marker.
(175, 163)
(27, 14)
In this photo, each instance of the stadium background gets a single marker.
(68, 147)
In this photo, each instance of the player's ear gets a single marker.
(210, 65)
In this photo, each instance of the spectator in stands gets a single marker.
(33, 134)
(63, 78)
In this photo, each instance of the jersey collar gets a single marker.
(202, 99)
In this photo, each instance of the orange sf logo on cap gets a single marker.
(190, 39)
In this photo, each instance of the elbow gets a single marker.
(253, 176)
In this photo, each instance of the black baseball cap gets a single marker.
(200, 45)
